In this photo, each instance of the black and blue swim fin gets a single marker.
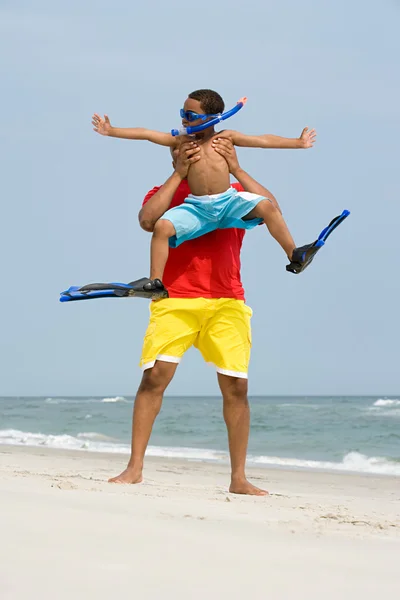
(303, 256)
(116, 290)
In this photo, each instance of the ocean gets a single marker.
(356, 434)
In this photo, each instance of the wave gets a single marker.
(115, 399)
(84, 400)
(385, 408)
(352, 462)
(55, 401)
(92, 441)
(387, 402)
(97, 442)
(69, 400)
(94, 436)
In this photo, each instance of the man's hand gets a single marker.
(307, 138)
(225, 148)
(184, 157)
(102, 126)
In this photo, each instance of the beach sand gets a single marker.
(67, 533)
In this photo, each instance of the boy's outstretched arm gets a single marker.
(104, 127)
(306, 140)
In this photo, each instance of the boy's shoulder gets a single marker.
(226, 134)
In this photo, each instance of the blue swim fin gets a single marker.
(114, 290)
(304, 255)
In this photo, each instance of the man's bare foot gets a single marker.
(128, 476)
(242, 486)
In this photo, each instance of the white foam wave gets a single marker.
(69, 400)
(93, 435)
(55, 400)
(188, 453)
(115, 399)
(385, 408)
(21, 438)
(85, 400)
(352, 462)
(97, 442)
(387, 402)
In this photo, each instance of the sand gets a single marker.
(66, 533)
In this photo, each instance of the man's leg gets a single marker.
(146, 408)
(237, 418)
(225, 341)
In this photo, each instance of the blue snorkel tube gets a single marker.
(214, 121)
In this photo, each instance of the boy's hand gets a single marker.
(187, 154)
(307, 138)
(225, 148)
(102, 126)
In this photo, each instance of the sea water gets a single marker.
(360, 434)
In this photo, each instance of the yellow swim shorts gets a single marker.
(219, 328)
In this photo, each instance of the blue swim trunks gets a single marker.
(202, 214)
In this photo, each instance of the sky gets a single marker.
(70, 198)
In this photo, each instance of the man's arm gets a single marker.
(225, 148)
(104, 127)
(160, 202)
(306, 140)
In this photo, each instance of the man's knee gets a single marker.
(234, 389)
(156, 379)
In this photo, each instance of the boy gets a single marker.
(213, 203)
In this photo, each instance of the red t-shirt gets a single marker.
(208, 266)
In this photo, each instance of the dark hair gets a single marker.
(210, 101)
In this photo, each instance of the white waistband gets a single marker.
(212, 195)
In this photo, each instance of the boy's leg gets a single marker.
(146, 408)
(159, 249)
(246, 210)
(275, 223)
(176, 226)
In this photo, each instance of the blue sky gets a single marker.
(69, 198)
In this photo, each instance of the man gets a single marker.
(206, 309)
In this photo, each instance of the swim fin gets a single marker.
(115, 290)
(304, 255)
